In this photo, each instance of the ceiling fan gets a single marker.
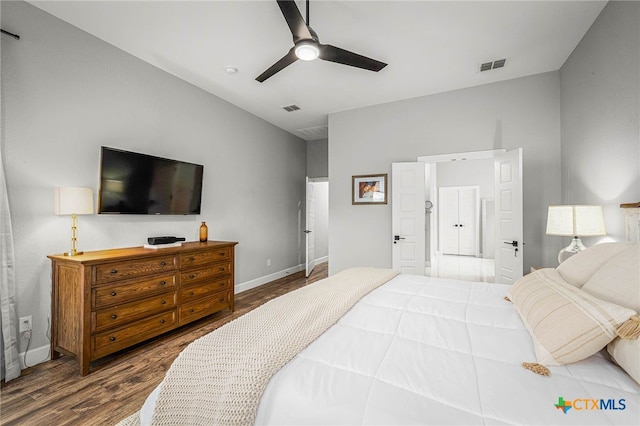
(307, 46)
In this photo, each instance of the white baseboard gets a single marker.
(322, 260)
(267, 278)
(35, 356)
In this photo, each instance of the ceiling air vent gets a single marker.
(291, 108)
(486, 66)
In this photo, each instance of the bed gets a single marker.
(422, 350)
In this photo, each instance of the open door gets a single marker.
(508, 217)
(408, 217)
(309, 228)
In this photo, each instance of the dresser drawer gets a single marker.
(121, 314)
(120, 293)
(188, 260)
(132, 269)
(204, 289)
(196, 275)
(192, 311)
(115, 340)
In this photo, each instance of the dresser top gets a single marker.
(102, 255)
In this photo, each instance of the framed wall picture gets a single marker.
(369, 189)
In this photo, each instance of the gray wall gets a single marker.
(600, 94)
(523, 113)
(318, 158)
(468, 173)
(65, 93)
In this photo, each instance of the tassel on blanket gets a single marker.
(507, 299)
(630, 329)
(537, 368)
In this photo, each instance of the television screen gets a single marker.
(133, 183)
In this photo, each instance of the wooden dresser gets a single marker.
(105, 301)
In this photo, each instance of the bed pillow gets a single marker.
(565, 323)
(626, 353)
(618, 280)
(579, 268)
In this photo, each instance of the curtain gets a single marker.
(8, 320)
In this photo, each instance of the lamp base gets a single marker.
(576, 246)
(73, 253)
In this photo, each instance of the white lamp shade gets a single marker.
(73, 201)
(575, 221)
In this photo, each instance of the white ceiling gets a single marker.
(430, 46)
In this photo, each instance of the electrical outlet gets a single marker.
(269, 262)
(25, 324)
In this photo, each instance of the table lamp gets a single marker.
(73, 201)
(575, 221)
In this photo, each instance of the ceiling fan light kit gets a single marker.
(307, 51)
(307, 46)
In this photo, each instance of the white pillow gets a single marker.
(566, 324)
(580, 267)
(618, 280)
(626, 353)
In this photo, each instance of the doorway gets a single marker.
(316, 223)
(500, 192)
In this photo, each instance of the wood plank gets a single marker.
(54, 393)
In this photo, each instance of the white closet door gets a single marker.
(467, 221)
(448, 214)
(458, 217)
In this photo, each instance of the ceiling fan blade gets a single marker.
(341, 56)
(284, 62)
(294, 19)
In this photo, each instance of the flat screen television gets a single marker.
(134, 183)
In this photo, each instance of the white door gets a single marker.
(459, 219)
(468, 218)
(448, 202)
(407, 216)
(508, 222)
(309, 223)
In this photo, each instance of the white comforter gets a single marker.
(422, 350)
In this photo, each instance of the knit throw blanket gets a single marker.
(219, 378)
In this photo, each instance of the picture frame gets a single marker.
(369, 189)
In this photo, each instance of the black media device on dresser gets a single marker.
(108, 300)
(164, 240)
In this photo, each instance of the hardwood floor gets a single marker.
(54, 393)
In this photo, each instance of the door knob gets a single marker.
(512, 243)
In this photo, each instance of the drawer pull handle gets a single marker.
(163, 282)
(113, 339)
(191, 259)
(221, 253)
(222, 284)
(163, 263)
(114, 271)
(190, 311)
(191, 293)
(222, 299)
(113, 293)
(161, 321)
(114, 316)
(192, 276)
(221, 268)
(164, 302)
